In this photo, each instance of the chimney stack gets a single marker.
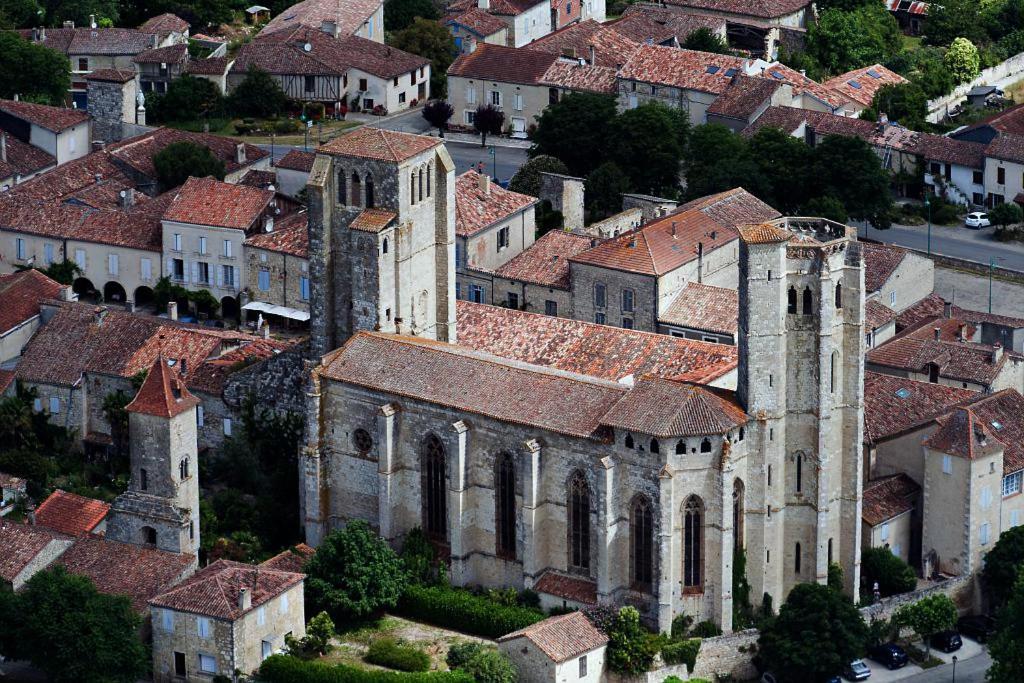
(947, 310)
(997, 352)
(99, 313)
(172, 310)
(92, 21)
(240, 152)
(98, 145)
(3, 147)
(265, 330)
(593, 56)
(127, 198)
(244, 599)
(485, 184)
(673, 228)
(938, 333)
(962, 332)
(67, 293)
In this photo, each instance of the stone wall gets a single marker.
(656, 676)
(725, 656)
(626, 220)
(1000, 74)
(566, 195)
(276, 383)
(962, 590)
(106, 106)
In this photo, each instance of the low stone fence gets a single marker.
(656, 676)
(1011, 68)
(962, 590)
(727, 656)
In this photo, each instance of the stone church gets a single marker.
(588, 490)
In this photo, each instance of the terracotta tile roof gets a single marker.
(169, 54)
(663, 245)
(109, 41)
(475, 382)
(764, 233)
(259, 178)
(165, 23)
(58, 39)
(743, 97)
(290, 560)
(70, 513)
(679, 68)
(575, 588)
(664, 408)
(76, 180)
(163, 393)
(581, 77)
(376, 143)
(348, 15)
(21, 294)
(964, 434)
(894, 405)
(1006, 146)
(290, 236)
(21, 544)
(860, 85)
(960, 361)
(880, 262)
(765, 9)
(601, 351)
(953, 151)
(206, 201)
(6, 379)
(125, 569)
(297, 160)
(111, 75)
(933, 306)
(211, 375)
(478, 21)
(888, 497)
(703, 307)
(213, 591)
(24, 159)
(53, 119)
(546, 261)
(611, 47)
(802, 85)
(138, 227)
(877, 314)
(476, 211)
(949, 329)
(137, 153)
(211, 66)
(563, 637)
(372, 220)
(1010, 120)
(503, 64)
(642, 27)
(1002, 414)
(507, 8)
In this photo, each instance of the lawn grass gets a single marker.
(911, 43)
(226, 127)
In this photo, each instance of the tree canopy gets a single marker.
(849, 170)
(438, 113)
(488, 120)
(962, 60)
(431, 40)
(845, 40)
(649, 143)
(604, 190)
(1007, 646)
(892, 574)
(905, 103)
(19, 14)
(258, 95)
(527, 178)
(32, 71)
(399, 14)
(1002, 563)
(720, 160)
(927, 616)
(179, 160)
(783, 162)
(187, 98)
(952, 19)
(705, 41)
(567, 130)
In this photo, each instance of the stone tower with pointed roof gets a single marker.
(161, 506)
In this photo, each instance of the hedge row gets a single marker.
(463, 611)
(387, 652)
(682, 652)
(287, 669)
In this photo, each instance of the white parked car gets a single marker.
(977, 219)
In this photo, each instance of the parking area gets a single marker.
(880, 674)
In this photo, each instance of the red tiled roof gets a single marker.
(575, 588)
(953, 151)
(581, 77)
(21, 544)
(206, 201)
(963, 434)
(664, 408)
(137, 153)
(211, 66)
(546, 261)
(764, 233)
(6, 379)
(743, 96)
(290, 236)
(169, 54)
(376, 143)
(348, 15)
(478, 21)
(290, 560)
(256, 177)
(503, 64)
(163, 393)
(372, 220)
(802, 85)
(165, 23)
(475, 211)
(765, 9)
(877, 314)
(960, 361)
(562, 637)
(880, 262)
(24, 159)
(111, 75)
(860, 85)
(601, 351)
(680, 68)
(53, 119)
(507, 8)
(297, 160)
(125, 569)
(888, 497)
(109, 41)
(611, 47)
(212, 374)
(703, 307)
(76, 180)
(894, 405)
(70, 513)
(1006, 146)
(1002, 413)
(933, 306)
(213, 591)
(21, 294)
(1010, 120)
(641, 27)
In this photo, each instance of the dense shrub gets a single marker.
(460, 653)
(706, 629)
(892, 574)
(682, 652)
(681, 626)
(285, 669)
(631, 648)
(485, 664)
(463, 611)
(387, 652)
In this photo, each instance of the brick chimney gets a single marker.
(172, 310)
(244, 599)
(240, 152)
(997, 352)
(593, 56)
(962, 332)
(938, 333)
(485, 184)
(947, 310)
(99, 313)
(3, 147)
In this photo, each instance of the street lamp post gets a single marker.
(954, 668)
(928, 205)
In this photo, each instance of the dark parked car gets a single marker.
(947, 641)
(890, 655)
(979, 627)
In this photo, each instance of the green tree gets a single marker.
(631, 647)
(431, 40)
(705, 41)
(400, 14)
(568, 128)
(818, 631)
(1007, 646)
(354, 573)
(32, 71)
(893, 575)
(114, 405)
(19, 14)
(485, 664)
(999, 575)
(1004, 214)
(927, 616)
(658, 136)
(841, 41)
(488, 120)
(71, 631)
(962, 60)
(438, 113)
(187, 98)
(527, 178)
(178, 161)
(952, 19)
(742, 612)
(258, 95)
(825, 206)
(720, 160)
(783, 162)
(905, 103)
(79, 11)
(316, 642)
(848, 169)
(604, 190)
(835, 577)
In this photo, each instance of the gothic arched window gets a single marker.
(341, 187)
(421, 184)
(433, 489)
(579, 523)
(357, 190)
(412, 187)
(791, 300)
(369, 191)
(705, 445)
(680, 447)
(839, 295)
(641, 546)
(505, 506)
(693, 544)
(832, 371)
(808, 301)
(655, 446)
(738, 493)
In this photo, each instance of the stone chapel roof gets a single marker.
(163, 393)
(563, 637)
(213, 591)
(70, 513)
(376, 143)
(664, 408)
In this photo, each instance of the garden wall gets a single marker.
(656, 676)
(731, 655)
(962, 590)
(1012, 68)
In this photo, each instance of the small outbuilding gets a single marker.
(563, 648)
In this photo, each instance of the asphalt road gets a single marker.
(957, 242)
(968, 671)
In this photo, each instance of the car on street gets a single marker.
(890, 655)
(856, 670)
(977, 220)
(947, 641)
(979, 627)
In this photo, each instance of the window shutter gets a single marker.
(220, 276)
(169, 271)
(195, 271)
(80, 258)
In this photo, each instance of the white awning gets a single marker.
(273, 309)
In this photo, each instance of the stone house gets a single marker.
(890, 514)
(170, 29)
(336, 18)
(527, 20)
(213, 69)
(643, 488)
(27, 550)
(561, 648)
(227, 617)
(492, 226)
(758, 28)
(702, 312)
(1006, 330)
(277, 270)
(475, 26)
(539, 276)
(879, 323)
(293, 172)
(61, 133)
(159, 66)
(596, 43)
(895, 277)
(21, 295)
(745, 98)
